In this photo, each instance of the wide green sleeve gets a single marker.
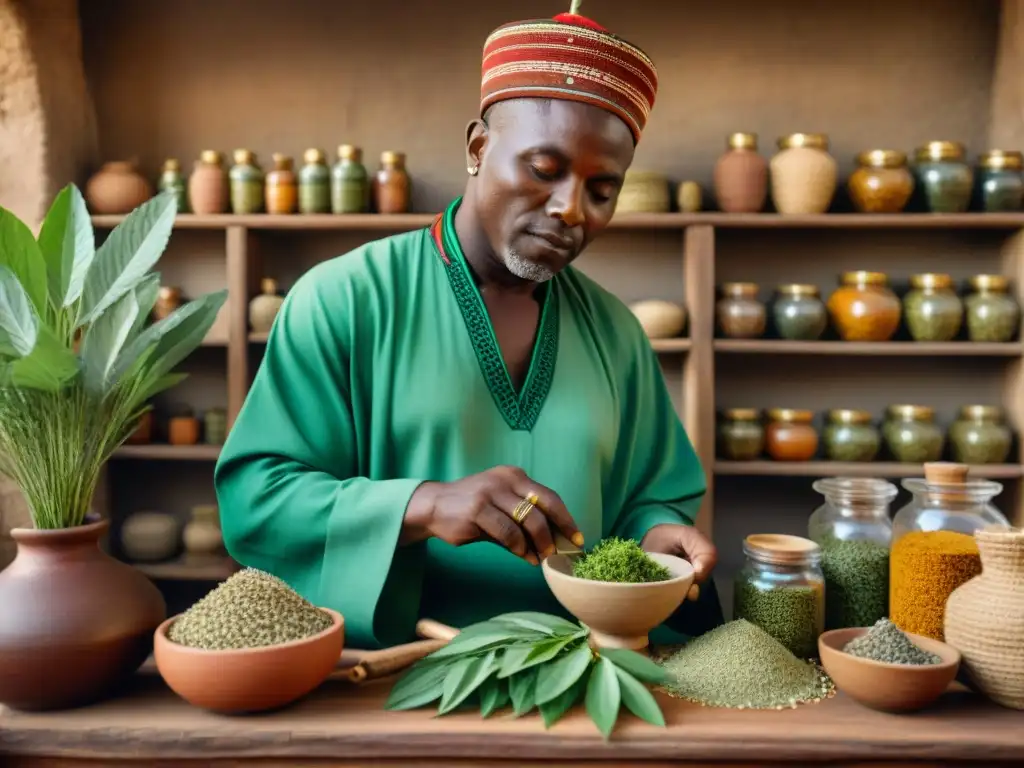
(292, 484)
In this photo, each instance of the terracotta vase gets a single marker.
(985, 618)
(208, 190)
(75, 624)
(117, 187)
(741, 176)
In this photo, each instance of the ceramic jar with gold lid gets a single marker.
(932, 309)
(739, 313)
(282, 188)
(741, 176)
(246, 183)
(740, 434)
(911, 435)
(850, 435)
(314, 183)
(392, 186)
(992, 313)
(980, 435)
(798, 312)
(864, 307)
(208, 186)
(944, 179)
(1000, 181)
(790, 434)
(803, 174)
(882, 182)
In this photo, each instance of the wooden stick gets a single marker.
(435, 630)
(385, 662)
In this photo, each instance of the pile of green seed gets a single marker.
(886, 643)
(740, 666)
(856, 582)
(621, 561)
(792, 615)
(251, 609)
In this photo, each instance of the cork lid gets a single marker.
(781, 549)
(946, 473)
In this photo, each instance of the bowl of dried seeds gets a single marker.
(887, 669)
(252, 644)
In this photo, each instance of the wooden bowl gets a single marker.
(252, 679)
(887, 687)
(619, 615)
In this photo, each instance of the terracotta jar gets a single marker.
(992, 313)
(911, 434)
(1000, 181)
(143, 433)
(980, 435)
(172, 180)
(864, 307)
(932, 309)
(882, 182)
(202, 535)
(264, 307)
(790, 435)
(75, 624)
(944, 179)
(741, 176)
(117, 187)
(247, 181)
(739, 313)
(168, 299)
(391, 184)
(183, 430)
(803, 174)
(282, 186)
(984, 617)
(208, 190)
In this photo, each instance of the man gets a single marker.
(433, 407)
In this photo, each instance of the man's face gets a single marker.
(550, 174)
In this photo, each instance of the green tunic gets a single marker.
(382, 371)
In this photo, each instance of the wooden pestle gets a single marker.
(387, 661)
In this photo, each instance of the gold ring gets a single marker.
(523, 508)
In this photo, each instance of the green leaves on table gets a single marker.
(529, 661)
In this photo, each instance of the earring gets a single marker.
(473, 170)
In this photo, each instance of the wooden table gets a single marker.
(345, 725)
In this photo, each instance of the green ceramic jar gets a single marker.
(992, 313)
(740, 434)
(850, 436)
(1000, 181)
(932, 309)
(314, 183)
(350, 182)
(980, 435)
(799, 313)
(215, 426)
(911, 435)
(944, 179)
(171, 180)
(246, 178)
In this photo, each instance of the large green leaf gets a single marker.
(155, 386)
(19, 323)
(638, 699)
(493, 696)
(638, 665)
(552, 711)
(419, 686)
(134, 246)
(522, 688)
(538, 622)
(103, 341)
(20, 253)
(556, 678)
(67, 243)
(48, 367)
(603, 696)
(146, 292)
(464, 680)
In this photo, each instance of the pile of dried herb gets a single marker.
(739, 665)
(621, 561)
(531, 661)
(885, 642)
(250, 609)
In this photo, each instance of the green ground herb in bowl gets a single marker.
(621, 561)
(885, 642)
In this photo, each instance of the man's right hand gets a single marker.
(480, 507)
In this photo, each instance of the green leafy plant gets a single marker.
(619, 560)
(530, 661)
(78, 362)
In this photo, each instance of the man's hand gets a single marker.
(687, 542)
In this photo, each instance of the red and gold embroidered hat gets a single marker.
(569, 57)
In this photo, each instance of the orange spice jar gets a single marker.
(864, 307)
(183, 430)
(790, 435)
(282, 186)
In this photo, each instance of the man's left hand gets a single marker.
(683, 541)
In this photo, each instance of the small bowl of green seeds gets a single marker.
(887, 669)
(252, 644)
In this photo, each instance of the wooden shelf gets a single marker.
(665, 346)
(881, 349)
(169, 452)
(854, 469)
(214, 569)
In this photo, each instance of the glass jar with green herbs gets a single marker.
(980, 435)
(932, 309)
(850, 435)
(781, 589)
(247, 179)
(740, 434)
(798, 312)
(911, 435)
(1000, 181)
(992, 313)
(944, 182)
(853, 529)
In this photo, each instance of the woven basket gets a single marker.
(985, 618)
(644, 192)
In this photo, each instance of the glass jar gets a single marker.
(911, 434)
(314, 183)
(739, 313)
(350, 182)
(740, 434)
(790, 435)
(944, 179)
(246, 183)
(391, 185)
(882, 182)
(799, 313)
(282, 189)
(933, 550)
(933, 310)
(850, 436)
(992, 313)
(980, 436)
(172, 180)
(853, 530)
(803, 174)
(781, 589)
(741, 176)
(1000, 181)
(864, 307)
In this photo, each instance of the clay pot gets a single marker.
(208, 190)
(741, 176)
(660, 319)
(143, 433)
(149, 536)
(75, 624)
(183, 430)
(168, 299)
(264, 307)
(985, 618)
(202, 534)
(117, 187)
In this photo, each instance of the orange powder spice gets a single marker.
(926, 566)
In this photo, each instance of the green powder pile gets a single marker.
(740, 666)
(856, 582)
(251, 609)
(793, 615)
(621, 561)
(885, 642)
